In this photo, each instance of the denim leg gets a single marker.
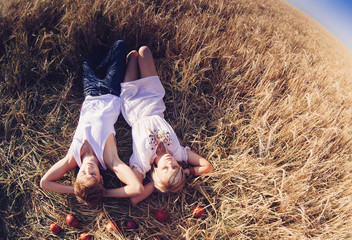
(110, 67)
(90, 80)
(116, 67)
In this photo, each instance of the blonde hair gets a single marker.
(175, 183)
(89, 191)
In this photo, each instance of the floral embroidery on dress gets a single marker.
(157, 136)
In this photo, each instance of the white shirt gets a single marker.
(96, 123)
(143, 109)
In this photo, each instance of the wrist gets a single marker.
(192, 171)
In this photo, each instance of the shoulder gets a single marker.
(69, 160)
(139, 175)
(140, 164)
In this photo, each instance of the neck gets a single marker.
(87, 149)
(161, 150)
(87, 153)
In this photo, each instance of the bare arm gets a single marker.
(133, 186)
(57, 171)
(148, 189)
(200, 164)
(123, 172)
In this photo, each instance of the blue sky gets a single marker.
(335, 15)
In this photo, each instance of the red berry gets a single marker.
(162, 215)
(111, 227)
(72, 220)
(55, 228)
(198, 211)
(130, 224)
(84, 236)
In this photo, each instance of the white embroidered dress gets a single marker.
(143, 109)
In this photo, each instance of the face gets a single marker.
(166, 167)
(89, 169)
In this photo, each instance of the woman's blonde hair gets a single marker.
(89, 191)
(175, 183)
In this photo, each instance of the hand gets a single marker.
(187, 172)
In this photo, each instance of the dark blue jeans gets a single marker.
(105, 70)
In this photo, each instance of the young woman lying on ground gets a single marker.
(155, 144)
(94, 146)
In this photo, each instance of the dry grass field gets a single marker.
(256, 87)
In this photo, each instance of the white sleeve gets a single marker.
(179, 152)
(142, 166)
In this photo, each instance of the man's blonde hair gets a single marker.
(175, 183)
(89, 191)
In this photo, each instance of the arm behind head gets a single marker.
(57, 171)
